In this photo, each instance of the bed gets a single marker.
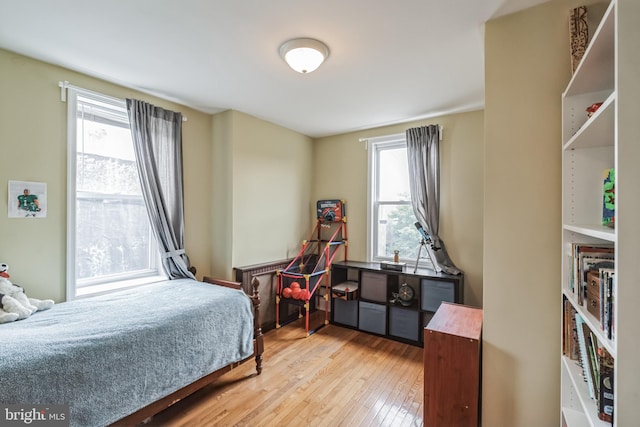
(122, 357)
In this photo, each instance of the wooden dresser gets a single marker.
(452, 366)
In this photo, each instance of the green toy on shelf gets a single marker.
(609, 198)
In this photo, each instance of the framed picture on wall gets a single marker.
(27, 199)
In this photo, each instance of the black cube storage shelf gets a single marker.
(368, 304)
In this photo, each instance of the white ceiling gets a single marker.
(390, 61)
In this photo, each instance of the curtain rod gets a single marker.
(64, 85)
(441, 129)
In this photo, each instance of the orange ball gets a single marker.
(304, 294)
(295, 293)
(295, 285)
(286, 292)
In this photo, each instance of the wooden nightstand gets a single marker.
(452, 352)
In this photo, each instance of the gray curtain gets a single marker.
(157, 140)
(423, 154)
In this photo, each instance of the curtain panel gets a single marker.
(423, 154)
(157, 141)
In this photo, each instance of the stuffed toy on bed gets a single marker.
(14, 303)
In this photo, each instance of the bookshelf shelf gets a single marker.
(587, 414)
(608, 73)
(596, 70)
(574, 418)
(598, 130)
(597, 231)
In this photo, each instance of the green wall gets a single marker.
(247, 181)
(34, 145)
(527, 67)
(340, 171)
(262, 183)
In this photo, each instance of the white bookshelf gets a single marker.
(608, 73)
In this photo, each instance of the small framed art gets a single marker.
(27, 199)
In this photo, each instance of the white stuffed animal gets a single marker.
(5, 316)
(14, 303)
(11, 305)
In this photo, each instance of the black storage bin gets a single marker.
(373, 286)
(345, 312)
(436, 291)
(373, 317)
(404, 323)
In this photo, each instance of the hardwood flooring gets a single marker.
(335, 377)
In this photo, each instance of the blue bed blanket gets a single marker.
(108, 356)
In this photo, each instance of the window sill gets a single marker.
(105, 288)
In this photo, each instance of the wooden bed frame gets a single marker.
(258, 348)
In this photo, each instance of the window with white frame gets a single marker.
(391, 219)
(110, 244)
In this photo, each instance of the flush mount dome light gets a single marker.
(304, 55)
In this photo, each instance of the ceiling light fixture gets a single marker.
(304, 55)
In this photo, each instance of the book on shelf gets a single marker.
(584, 355)
(570, 336)
(607, 279)
(594, 362)
(597, 368)
(578, 252)
(592, 264)
(606, 395)
(586, 257)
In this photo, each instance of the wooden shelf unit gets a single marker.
(452, 366)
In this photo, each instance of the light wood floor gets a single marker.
(335, 377)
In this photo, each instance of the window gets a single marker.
(391, 218)
(110, 242)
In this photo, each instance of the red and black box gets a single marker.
(331, 210)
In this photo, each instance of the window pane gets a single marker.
(396, 231)
(391, 215)
(393, 178)
(112, 237)
(105, 161)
